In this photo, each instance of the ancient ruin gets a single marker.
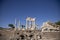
(48, 31)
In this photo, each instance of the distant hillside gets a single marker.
(1, 28)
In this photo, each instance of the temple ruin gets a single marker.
(48, 31)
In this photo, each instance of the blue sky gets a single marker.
(42, 10)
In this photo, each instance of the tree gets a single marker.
(23, 26)
(1, 28)
(58, 22)
(11, 25)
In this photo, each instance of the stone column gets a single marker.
(18, 25)
(33, 22)
(15, 24)
(27, 24)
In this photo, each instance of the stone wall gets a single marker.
(51, 35)
(28, 35)
(6, 34)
